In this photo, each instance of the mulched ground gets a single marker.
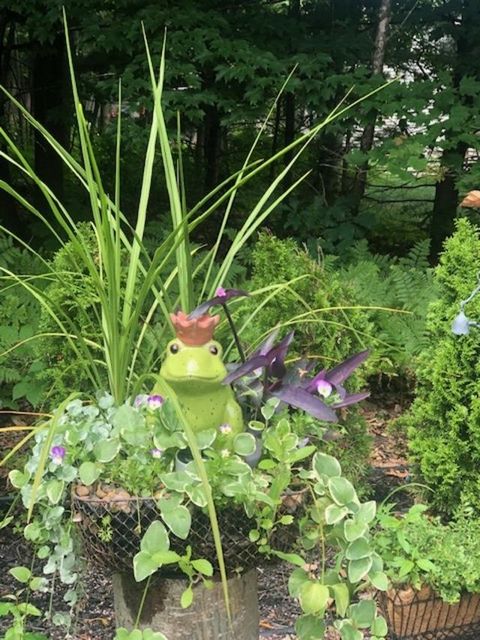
(95, 619)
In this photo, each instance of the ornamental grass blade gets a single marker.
(212, 513)
(183, 253)
(51, 427)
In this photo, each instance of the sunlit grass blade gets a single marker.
(212, 513)
(18, 446)
(51, 427)
(177, 213)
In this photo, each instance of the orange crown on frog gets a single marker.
(196, 331)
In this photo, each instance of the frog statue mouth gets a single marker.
(189, 377)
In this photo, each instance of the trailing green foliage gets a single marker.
(444, 421)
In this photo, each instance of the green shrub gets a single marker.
(419, 550)
(406, 284)
(19, 312)
(444, 421)
(72, 296)
(324, 331)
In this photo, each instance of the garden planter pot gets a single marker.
(111, 528)
(422, 615)
(205, 619)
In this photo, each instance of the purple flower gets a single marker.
(292, 386)
(57, 454)
(335, 377)
(220, 293)
(156, 453)
(324, 388)
(154, 402)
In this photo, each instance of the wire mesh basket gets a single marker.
(111, 531)
(423, 615)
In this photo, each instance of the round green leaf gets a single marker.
(379, 580)
(334, 513)
(313, 597)
(178, 521)
(37, 583)
(297, 579)
(379, 627)
(363, 613)
(358, 569)
(341, 490)
(106, 450)
(203, 566)
(143, 565)
(310, 627)
(155, 539)
(22, 574)
(187, 598)
(55, 490)
(326, 465)
(89, 472)
(367, 511)
(205, 438)
(17, 478)
(353, 529)
(358, 549)
(348, 632)
(244, 444)
(342, 598)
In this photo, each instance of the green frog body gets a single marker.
(194, 374)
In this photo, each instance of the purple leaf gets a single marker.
(223, 296)
(301, 399)
(352, 399)
(343, 370)
(273, 359)
(256, 362)
(267, 344)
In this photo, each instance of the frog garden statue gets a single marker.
(193, 370)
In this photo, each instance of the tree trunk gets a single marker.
(366, 142)
(276, 130)
(211, 146)
(446, 201)
(205, 619)
(49, 107)
(289, 123)
(9, 215)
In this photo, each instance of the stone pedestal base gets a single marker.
(205, 619)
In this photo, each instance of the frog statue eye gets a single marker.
(213, 350)
(174, 348)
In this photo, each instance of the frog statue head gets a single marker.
(193, 360)
(194, 371)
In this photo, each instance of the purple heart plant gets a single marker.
(265, 374)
